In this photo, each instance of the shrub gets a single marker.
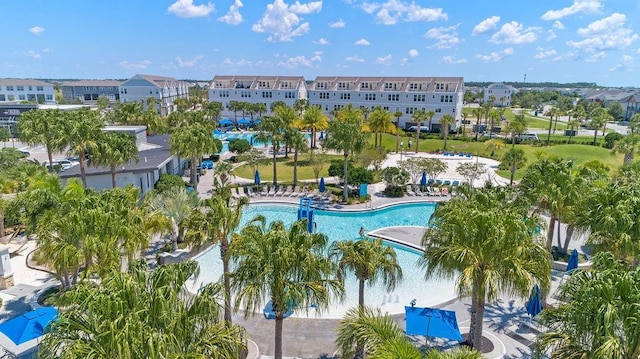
(168, 181)
(394, 191)
(239, 145)
(611, 138)
(395, 176)
(356, 174)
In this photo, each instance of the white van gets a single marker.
(62, 164)
(528, 137)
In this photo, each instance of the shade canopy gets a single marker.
(573, 261)
(29, 325)
(225, 121)
(432, 322)
(423, 180)
(534, 305)
(256, 178)
(243, 121)
(269, 313)
(322, 186)
(257, 120)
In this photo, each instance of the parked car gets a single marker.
(63, 165)
(486, 136)
(532, 137)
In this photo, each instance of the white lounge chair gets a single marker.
(287, 192)
(234, 193)
(272, 191)
(250, 192)
(265, 190)
(295, 192)
(410, 191)
(314, 193)
(280, 191)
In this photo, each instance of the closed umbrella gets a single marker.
(534, 305)
(322, 135)
(321, 187)
(573, 261)
(256, 178)
(423, 180)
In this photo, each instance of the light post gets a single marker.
(401, 145)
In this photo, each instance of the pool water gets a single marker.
(345, 226)
(225, 137)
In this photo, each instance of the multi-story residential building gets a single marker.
(500, 93)
(165, 90)
(88, 91)
(19, 90)
(406, 95)
(256, 89)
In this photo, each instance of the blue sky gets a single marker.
(491, 40)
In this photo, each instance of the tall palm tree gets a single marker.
(271, 129)
(300, 106)
(44, 127)
(286, 265)
(114, 150)
(83, 131)
(478, 113)
(397, 115)
(629, 145)
(380, 121)
(516, 127)
(192, 139)
(143, 313)
(554, 111)
(599, 119)
(572, 126)
(287, 118)
(176, 204)
(419, 117)
(515, 158)
(315, 121)
(598, 314)
(298, 143)
(486, 240)
(347, 136)
(445, 122)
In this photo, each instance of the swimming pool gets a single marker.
(345, 225)
(244, 136)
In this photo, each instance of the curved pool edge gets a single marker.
(343, 209)
(405, 243)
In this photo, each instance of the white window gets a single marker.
(19, 88)
(345, 96)
(39, 88)
(9, 88)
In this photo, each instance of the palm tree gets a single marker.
(286, 265)
(554, 111)
(572, 126)
(486, 240)
(114, 150)
(445, 122)
(271, 130)
(143, 314)
(516, 127)
(515, 158)
(629, 145)
(419, 117)
(314, 120)
(192, 139)
(380, 121)
(300, 106)
(397, 115)
(598, 314)
(598, 120)
(175, 205)
(44, 127)
(493, 145)
(634, 123)
(83, 131)
(346, 136)
(234, 106)
(383, 338)
(298, 143)
(286, 117)
(478, 113)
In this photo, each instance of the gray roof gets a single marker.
(92, 83)
(149, 160)
(23, 82)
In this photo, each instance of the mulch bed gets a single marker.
(486, 345)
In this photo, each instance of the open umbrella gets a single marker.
(573, 261)
(243, 121)
(534, 305)
(321, 187)
(423, 180)
(256, 178)
(225, 122)
(269, 313)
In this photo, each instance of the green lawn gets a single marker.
(285, 169)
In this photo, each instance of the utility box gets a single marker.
(6, 273)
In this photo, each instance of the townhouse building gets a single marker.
(165, 90)
(88, 91)
(256, 89)
(402, 95)
(500, 94)
(19, 90)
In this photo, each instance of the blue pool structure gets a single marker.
(248, 135)
(343, 225)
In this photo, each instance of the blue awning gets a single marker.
(225, 121)
(29, 325)
(431, 322)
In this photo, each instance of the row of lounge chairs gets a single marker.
(428, 191)
(280, 191)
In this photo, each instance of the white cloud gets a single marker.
(515, 33)
(355, 58)
(135, 65)
(578, 6)
(558, 25)
(362, 42)
(281, 21)
(551, 35)
(338, 24)
(486, 25)
(596, 56)
(451, 60)
(392, 11)
(32, 54)
(627, 63)
(413, 53)
(233, 17)
(297, 61)
(605, 34)
(186, 9)
(189, 63)
(322, 41)
(47, 50)
(236, 64)
(495, 56)
(317, 56)
(543, 54)
(384, 60)
(36, 30)
(447, 36)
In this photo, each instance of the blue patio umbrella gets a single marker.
(256, 121)
(432, 322)
(573, 261)
(256, 178)
(269, 313)
(321, 187)
(322, 135)
(534, 305)
(29, 325)
(243, 121)
(423, 180)
(225, 122)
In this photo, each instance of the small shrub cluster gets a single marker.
(394, 191)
